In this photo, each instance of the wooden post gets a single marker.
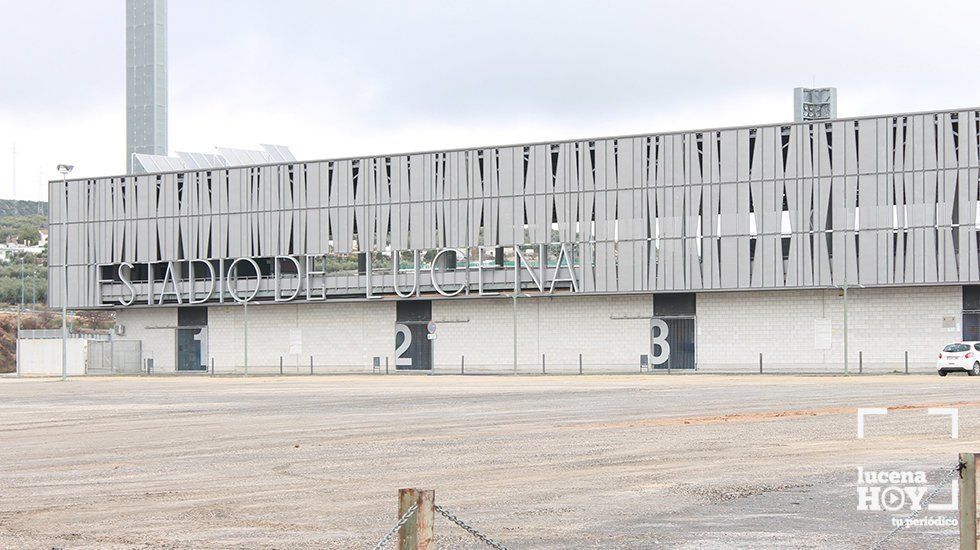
(418, 533)
(408, 534)
(968, 502)
(426, 515)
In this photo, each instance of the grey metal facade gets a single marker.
(146, 78)
(882, 201)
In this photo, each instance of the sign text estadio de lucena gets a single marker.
(222, 281)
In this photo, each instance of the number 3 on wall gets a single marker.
(659, 326)
(403, 348)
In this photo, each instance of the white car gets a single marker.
(961, 356)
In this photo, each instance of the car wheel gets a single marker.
(975, 371)
(943, 373)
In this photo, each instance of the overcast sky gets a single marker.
(333, 79)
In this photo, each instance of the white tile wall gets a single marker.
(154, 326)
(340, 336)
(610, 332)
(558, 327)
(734, 327)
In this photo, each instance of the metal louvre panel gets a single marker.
(891, 200)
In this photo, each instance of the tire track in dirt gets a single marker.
(764, 416)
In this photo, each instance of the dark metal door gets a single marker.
(680, 340)
(413, 349)
(191, 349)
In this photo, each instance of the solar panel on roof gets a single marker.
(242, 157)
(278, 153)
(201, 161)
(225, 156)
(156, 163)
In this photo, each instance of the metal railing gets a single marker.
(55, 333)
(568, 366)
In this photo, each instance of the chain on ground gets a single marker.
(384, 540)
(469, 529)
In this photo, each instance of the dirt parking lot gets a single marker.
(536, 462)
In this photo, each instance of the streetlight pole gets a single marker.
(845, 316)
(515, 332)
(245, 319)
(848, 227)
(19, 310)
(64, 169)
(846, 358)
(844, 289)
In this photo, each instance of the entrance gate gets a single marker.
(413, 349)
(672, 342)
(192, 349)
(114, 357)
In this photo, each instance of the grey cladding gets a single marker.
(891, 200)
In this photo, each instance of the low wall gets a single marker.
(42, 356)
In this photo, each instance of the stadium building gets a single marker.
(695, 250)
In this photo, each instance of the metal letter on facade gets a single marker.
(395, 256)
(232, 280)
(170, 276)
(278, 278)
(193, 282)
(125, 276)
(432, 272)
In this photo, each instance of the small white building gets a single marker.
(9, 250)
(39, 353)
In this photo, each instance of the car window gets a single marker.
(976, 347)
(956, 348)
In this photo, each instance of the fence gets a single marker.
(417, 510)
(310, 365)
(415, 527)
(55, 333)
(963, 476)
(581, 365)
(114, 357)
(859, 362)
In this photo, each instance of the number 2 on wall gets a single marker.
(403, 348)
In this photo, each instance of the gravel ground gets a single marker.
(536, 462)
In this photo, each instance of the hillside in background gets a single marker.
(23, 276)
(10, 207)
(21, 220)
